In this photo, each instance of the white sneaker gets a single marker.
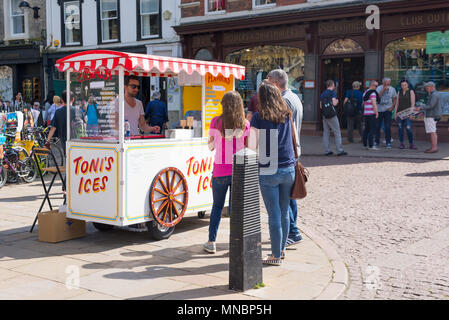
(210, 247)
(374, 148)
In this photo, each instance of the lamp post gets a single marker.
(25, 5)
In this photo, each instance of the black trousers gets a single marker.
(370, 130)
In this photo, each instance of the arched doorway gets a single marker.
(343, 61)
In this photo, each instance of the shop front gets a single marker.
(313, 46)
(21, 71)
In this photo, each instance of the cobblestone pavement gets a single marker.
(388, 219)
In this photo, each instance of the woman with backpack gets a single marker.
(406, 99)
(353, 108)
(227, 136)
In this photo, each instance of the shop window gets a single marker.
(109, 18)
(149, 19)
(263, 3)
(71, 14)
(419, 59)
(261, 60)
(6, 80)
(203, 54)
(17, 19)
(215, 6)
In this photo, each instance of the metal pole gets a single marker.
(121, 106)
(68, 106)
(203, 108)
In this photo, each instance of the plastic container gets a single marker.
(127, 130)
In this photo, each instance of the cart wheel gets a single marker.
(169, 195)
(103, 227)
(201, 214)
(159, 232)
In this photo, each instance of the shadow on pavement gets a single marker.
(310, 161)
(208, 292)
(429, 174)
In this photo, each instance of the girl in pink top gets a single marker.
(227, 135)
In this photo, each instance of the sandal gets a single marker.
(272, 261)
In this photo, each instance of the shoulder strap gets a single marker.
(295, 148)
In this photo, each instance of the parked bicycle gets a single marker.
(15, 164)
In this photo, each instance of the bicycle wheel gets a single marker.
(58, 153)
(28, 170)
(3, 175)
(43, 162)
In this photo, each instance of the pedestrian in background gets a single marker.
(57, 103)
(18, 104)
(432, 113)
(92, 115)
(388, 98)
(227, 136)
(156, 112)
(47, 104)
(277, 167)
(370, 114)
(354, 120)
(253, 106)
(406, 99)
(279, 78)
(330, 96)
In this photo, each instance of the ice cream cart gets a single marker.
(151, 180)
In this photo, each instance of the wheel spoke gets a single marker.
(182, 204)
(165, 213)
(171, 215)
(162, 207)
(160, 191)
(173, 181)
(168, 180)
(177, 212)
(177, 185)
(163, 184)
(178, 194)
(161, 199)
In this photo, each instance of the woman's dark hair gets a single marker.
(233, 116)
(50, 96)
(405, 81)
(64, 96)
(131, 77)
(272, 106)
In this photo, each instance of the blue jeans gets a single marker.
(407, 125)
(220, 186)
(386, 118)
(293, 214)
(276, 191)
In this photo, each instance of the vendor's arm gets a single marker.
(145, 127)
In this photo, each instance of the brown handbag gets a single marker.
(301, 174)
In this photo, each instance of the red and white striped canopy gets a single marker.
(145, 65)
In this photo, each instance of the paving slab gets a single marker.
(122, 264)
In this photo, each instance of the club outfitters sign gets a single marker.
(93, 183)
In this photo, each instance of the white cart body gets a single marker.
(109, 182)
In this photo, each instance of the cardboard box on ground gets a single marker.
(54, 226)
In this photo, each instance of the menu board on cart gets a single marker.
(216, 87)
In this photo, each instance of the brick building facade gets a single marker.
(22, 37)
(317, 40)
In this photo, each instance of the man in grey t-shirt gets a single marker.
(388, 98)
(279, 78)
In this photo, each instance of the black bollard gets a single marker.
(245, 243)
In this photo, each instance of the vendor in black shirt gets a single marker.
(59, 123)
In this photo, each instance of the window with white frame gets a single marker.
(263, 3)
(109, 19)
(216, 5)
(17, 18)
(150, 19)
(72, 23)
